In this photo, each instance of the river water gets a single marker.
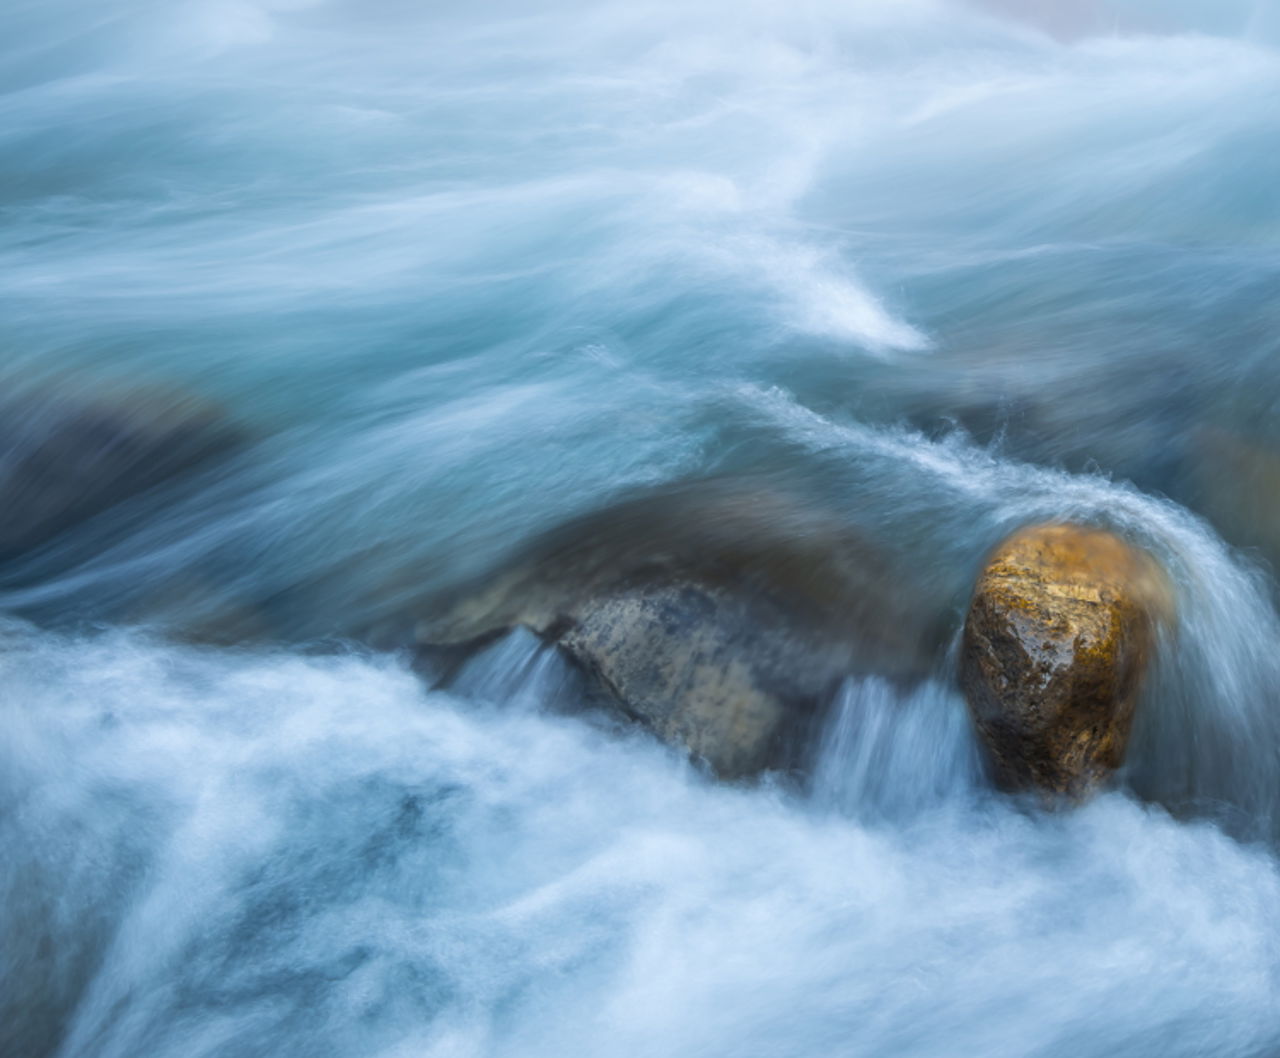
(461, 272)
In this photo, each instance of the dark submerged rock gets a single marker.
(67, 455)
(1236, 484)
(1059, 634)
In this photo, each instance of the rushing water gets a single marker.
(459, 272)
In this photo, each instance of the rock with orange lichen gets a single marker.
(1060, 632)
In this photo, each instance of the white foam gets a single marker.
(335, 859)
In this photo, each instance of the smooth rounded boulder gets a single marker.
(1060, 632)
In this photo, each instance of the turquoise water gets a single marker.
(457, 273)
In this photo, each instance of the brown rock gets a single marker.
(1059, 633)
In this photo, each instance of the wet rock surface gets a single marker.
(720, 614)
(703, 669)
(1059, 634)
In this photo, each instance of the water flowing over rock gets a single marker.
(68, 455)
(1236, 482)
(921, 272)
(1059, 634)
(721, 614)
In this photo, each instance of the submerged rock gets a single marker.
(1236, 484)
(720, 614)
(67, 456)
(1060, 631)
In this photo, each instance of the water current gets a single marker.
(457, 273)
